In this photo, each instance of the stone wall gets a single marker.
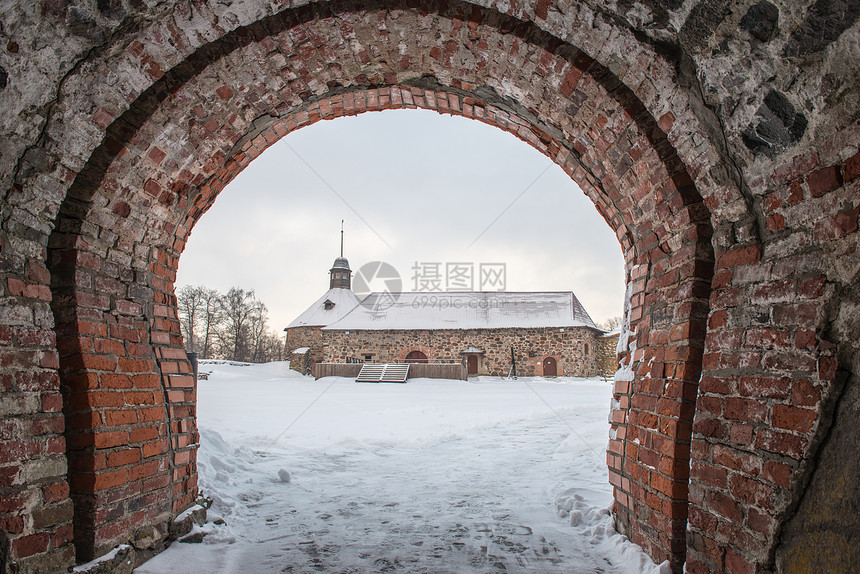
(719, 140)
(298, 337)
(574, 348)
(607, 351)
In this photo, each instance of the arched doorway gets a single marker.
(550, 367)
(171, 104)
(415, 357)
(166, 199)
(184, 192)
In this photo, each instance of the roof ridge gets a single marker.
(407, 310)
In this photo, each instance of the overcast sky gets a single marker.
(412, 186)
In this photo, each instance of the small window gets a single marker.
(328, 304)
(586, 348)
(367, 358)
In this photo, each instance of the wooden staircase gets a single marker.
(383, 373)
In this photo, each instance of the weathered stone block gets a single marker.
(761, 20)
(183, 523)
(121, 560)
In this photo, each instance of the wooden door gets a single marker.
(549, 367)
(472, 364)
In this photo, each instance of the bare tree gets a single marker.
(189, 299)
(274, 346)
(211, 317)
(200, 315)
(237, 307)
(258, 327)
(269, 347)
(610, 323)
(232, 325)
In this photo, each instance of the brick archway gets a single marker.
(588, 122)
(418, 352)
(715, 235)
(415, 357)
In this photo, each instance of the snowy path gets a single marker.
(431, 476)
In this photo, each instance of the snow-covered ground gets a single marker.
(431, 476)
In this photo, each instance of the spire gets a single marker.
(340, 273)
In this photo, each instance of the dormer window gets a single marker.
(328, 304)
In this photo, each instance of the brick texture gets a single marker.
(735, 204)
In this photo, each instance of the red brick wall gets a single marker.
(141, 190)
(741, 256)
(35, 508)
(771, 367)
(129, 397)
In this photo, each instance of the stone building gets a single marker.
(544, 333)
(304, 341)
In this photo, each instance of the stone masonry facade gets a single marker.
(607, 350)
(573, 348)
(719, 140)
(304, 337)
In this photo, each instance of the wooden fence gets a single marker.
(349, 370)
(437, 371)
(416, 370)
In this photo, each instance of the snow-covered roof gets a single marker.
(466, 310)
(340, 263)
(317, 315)
(301, 350)
(613, 333)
